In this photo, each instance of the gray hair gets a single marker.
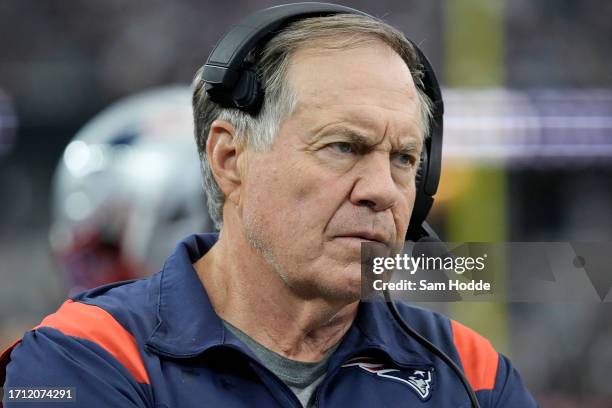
(258, 131)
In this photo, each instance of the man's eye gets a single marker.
(405, 159)
(342, 147)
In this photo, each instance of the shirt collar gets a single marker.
(187, 324)
(375, 329)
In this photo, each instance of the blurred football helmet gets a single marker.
(127, 189)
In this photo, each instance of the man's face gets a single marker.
(340, 172)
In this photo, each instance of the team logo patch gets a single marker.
(418, 379)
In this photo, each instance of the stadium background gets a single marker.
(528, 151)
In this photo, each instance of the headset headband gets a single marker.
(231, 82)
(225, 61)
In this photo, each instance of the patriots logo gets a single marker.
(418, 379)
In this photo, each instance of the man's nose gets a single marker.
(375, 187)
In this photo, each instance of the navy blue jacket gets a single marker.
(157, 342)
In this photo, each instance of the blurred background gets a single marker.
(527, 152)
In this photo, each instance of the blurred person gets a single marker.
(127, 189)
(298, 175)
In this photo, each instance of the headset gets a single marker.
(232, 82)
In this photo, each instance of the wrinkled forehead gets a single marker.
(366, 84)
(342, 60)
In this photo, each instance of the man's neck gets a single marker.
(246, 292)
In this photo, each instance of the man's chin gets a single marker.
(335, 282)
(346, 290)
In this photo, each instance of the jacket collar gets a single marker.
(187, 324)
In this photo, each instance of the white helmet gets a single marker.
(127, 189)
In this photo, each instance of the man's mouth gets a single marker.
(365, 236)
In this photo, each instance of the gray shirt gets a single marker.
(302, 378)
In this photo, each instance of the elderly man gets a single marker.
(268, 313)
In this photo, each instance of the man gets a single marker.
(267, 314)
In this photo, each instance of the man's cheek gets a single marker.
(402, 218)
(409, 197)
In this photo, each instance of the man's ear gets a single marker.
(223, 151)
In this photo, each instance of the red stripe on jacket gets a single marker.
(478, 357)
(98, 326)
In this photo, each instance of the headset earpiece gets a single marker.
(245, 95)
(248, 95)
(423, 201)
(418, 178)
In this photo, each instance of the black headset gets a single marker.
(231, 82)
